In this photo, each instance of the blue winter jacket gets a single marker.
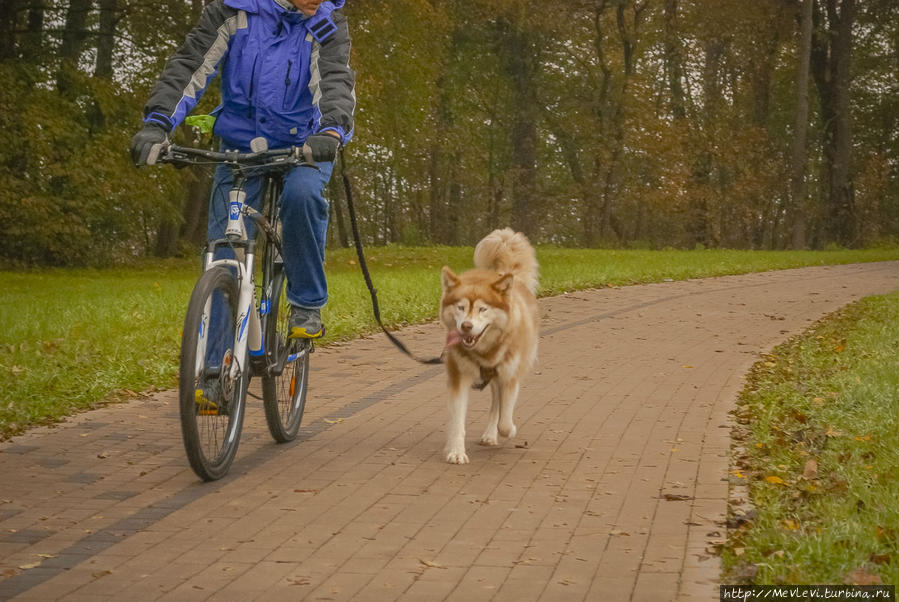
(284, 75)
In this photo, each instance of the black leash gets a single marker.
(371, 288)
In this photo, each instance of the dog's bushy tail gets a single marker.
(508, 252)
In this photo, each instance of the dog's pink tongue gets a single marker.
(453, 338)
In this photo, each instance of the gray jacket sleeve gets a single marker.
(333, 82)
(188, 73)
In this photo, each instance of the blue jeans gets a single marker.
(304, 224)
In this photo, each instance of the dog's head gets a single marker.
(474, 305)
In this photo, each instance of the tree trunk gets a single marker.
(338, 202)
(194, 213)
(8, 20)
(436, 195)
(830, 67)
(34, 38)
(762, 72)
(73, 37)
(842, 211)
(593, 202)
(103, 66)
(106, 38)
(703, 223)
(455, 200)
(674, 61)
(437, 184)
(166, 239)
(798, 189)
(519, 55)
(819, 64)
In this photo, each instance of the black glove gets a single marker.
(146, 144)
(321, 148)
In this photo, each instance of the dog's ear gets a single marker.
(503, 285)
(449, 279)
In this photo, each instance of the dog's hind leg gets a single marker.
(509, 396)
(490, 436)
(455, 432)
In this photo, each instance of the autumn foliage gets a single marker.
(617, 123)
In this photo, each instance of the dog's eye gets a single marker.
(460, 307)
(483, 309)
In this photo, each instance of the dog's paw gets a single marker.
(489, 439)
(457, 456)
(507, 431)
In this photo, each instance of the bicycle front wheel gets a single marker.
(213, 382)
(287, 374)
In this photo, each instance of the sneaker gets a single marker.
(305, 323)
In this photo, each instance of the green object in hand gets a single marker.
(204, 122)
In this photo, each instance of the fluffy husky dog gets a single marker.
(491, 318)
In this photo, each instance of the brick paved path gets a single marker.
(629, 403)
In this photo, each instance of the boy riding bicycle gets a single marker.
(285, 76)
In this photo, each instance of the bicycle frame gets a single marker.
(214, 387)
(249, 338)
(248, 330)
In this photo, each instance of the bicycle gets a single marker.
(228, 337)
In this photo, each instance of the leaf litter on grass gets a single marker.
(816, 418)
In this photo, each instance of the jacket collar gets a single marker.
(255, 6)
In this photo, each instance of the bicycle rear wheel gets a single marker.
(287, 374)
(213, 382)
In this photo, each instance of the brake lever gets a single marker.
(159, 150)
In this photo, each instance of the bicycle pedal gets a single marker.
(205, 407)
(300, 334)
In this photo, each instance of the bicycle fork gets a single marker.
(248, 341)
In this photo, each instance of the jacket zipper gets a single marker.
(252, 85)
(287, 77)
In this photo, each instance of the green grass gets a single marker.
(73, 339)
(830, 398)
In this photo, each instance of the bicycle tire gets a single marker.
(284, 394)
(211, 419)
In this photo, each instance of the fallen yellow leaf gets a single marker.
(774, 480)
(430, 564)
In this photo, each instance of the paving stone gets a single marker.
(627, 404)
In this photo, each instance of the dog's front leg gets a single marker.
(455, 432)
(491, 436)
(509, 390)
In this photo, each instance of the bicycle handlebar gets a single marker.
(185, 155)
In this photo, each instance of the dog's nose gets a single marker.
(467, 326)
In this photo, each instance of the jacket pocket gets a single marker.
(296, 78)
